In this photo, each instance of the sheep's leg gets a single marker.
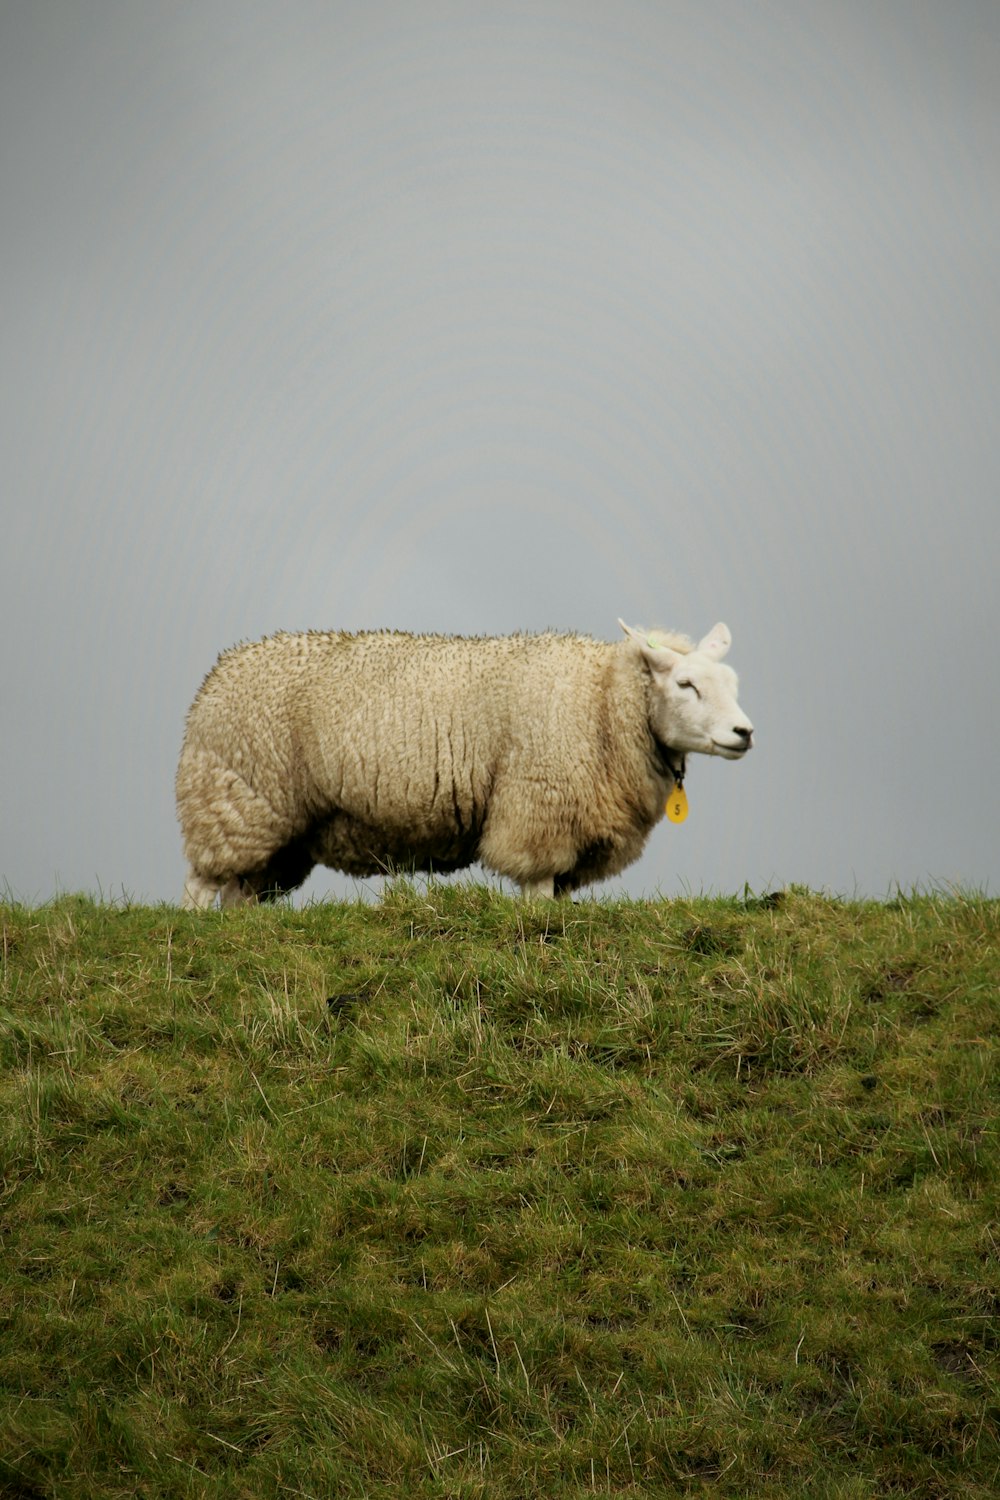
(236, 892)
(199, 892)
(546, 887)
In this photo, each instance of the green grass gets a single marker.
(463, 1197)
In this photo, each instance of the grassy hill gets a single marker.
(462, 1197)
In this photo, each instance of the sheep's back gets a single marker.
(394, 723)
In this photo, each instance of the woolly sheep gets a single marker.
(547, 758)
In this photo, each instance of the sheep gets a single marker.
(547, 758)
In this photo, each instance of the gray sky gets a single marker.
(478, 318)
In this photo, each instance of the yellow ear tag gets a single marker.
(677, 805)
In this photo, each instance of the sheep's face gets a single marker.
(694, 707)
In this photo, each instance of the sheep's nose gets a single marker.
(745, 733)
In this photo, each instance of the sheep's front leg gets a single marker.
(545, 887)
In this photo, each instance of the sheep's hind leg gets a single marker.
(237, 892)
(538, 888)
(199, 892)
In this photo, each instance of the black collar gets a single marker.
(668, 762)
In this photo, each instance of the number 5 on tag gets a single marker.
(677, 805)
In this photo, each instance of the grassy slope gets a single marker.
(457, 1197)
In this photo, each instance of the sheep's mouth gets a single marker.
(731, 752)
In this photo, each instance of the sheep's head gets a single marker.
(694, 707)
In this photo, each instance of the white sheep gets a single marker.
(547, 758)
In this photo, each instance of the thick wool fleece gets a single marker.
(531, 754)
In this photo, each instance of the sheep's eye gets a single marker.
(690, 685)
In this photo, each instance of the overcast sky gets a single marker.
(484, 317)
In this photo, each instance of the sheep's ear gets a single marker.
(716, 643)
(659, 659)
